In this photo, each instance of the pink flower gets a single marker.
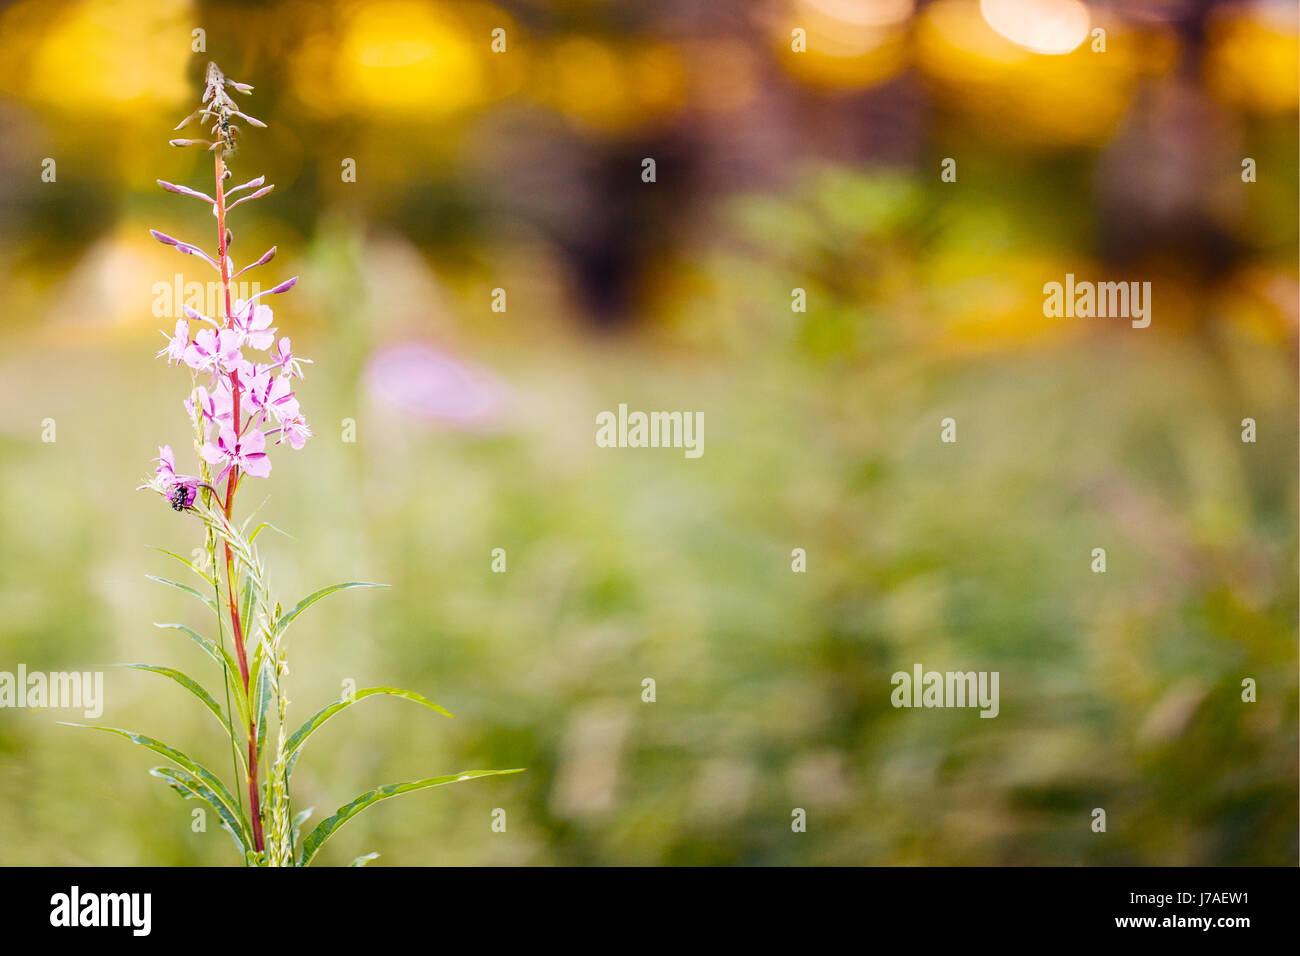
(214, 351)
(272, 396)
(432, 384)
(166, 462)
(297, 432)
(180, 490)
(246, 452)
(215, 406)
(253, 323)
(176, 343)
(284, 359)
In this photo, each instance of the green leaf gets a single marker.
(299, 818)
(212, 604)
(189, 564)
(190, 787)
(262, 695)
(266, 524)
(325, 713)
(363, 860)
(191, 685)
(175, 756)
(218, 654)
(325, 829)
(209, 648)
(283, 623)
(247, 609)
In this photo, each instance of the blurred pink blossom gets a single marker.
(431, 384)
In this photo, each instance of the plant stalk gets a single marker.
(232, 481)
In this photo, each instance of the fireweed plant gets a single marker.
(239, 406)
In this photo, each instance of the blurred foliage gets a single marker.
(522, 171)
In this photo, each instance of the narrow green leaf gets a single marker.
(246, 611)
(325, 713)
(218, 654)
(299, 818)
(190, 787)
(266, 524)
(189, 564)
(243, 527)
(209, 648)
(171, 753)
(262, 695)
(283, 623)
(326, 827)
(212, 604)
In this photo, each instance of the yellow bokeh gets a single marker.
(97, 56)
(1071, 99)
(408, 59)
(611, 87)
(1253, 60)
(838, 44)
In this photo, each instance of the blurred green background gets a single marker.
(776, 170)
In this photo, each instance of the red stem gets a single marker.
(231, 482)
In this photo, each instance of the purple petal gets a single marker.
(197, 315)
(266, 257)
(284, 286)
(184, 247)
(251, 184)
(185, 191)
(257, 195)
(250, 120)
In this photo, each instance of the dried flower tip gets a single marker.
(213, 81)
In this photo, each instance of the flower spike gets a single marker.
(241, 410)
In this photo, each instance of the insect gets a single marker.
(180, 498)
(228, 131)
